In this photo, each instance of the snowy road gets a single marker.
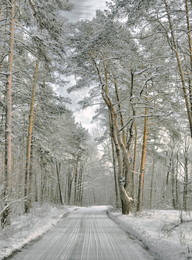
(86, 234)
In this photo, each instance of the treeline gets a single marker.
(43, 150)
(135, 59)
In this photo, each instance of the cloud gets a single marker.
(84, 9)
(84, 116)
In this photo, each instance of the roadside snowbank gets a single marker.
(162, 231)
(29, 227)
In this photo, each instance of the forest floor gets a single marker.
(167, 233)
(29, 227)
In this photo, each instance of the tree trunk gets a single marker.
(152, 182)
(121, 119)
(185, 182)
(75, 184)
(134, 164)
(44, 176)
(5, 218)
(115, 175)
(132, 128)
(58, 168)
(173, 184)
(190, 51)
(80, 179)
(177, 183)
(114, 160)
(69, 181)
(29, 142)
(117, 136)
(167, 177)
(143, 163)
(123, 166)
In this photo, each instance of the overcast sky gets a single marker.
(84, 9)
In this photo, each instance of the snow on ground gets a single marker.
(28, 227)
(161, 231)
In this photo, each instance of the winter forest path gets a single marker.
(86, 234)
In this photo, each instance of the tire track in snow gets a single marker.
(86, 234)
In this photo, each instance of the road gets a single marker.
(85, 234)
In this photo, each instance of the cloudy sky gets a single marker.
(83, 9)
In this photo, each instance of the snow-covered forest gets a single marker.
(132, 65)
